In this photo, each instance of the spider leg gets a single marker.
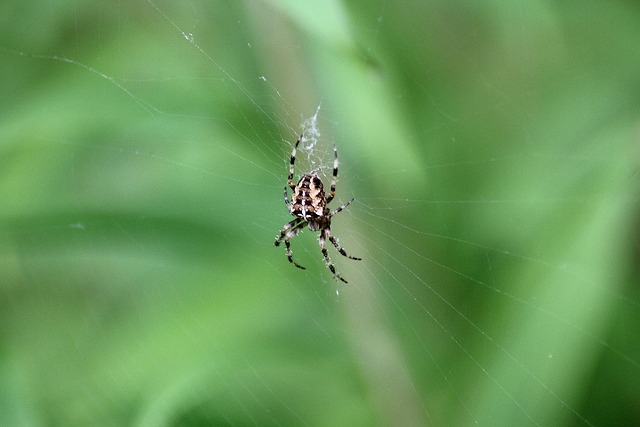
(326, 255)
(288, 232)
(292, 163)
(337, 245)
(286, 198)
(341, 208)
(334, 178)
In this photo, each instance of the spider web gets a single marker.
(145, 150)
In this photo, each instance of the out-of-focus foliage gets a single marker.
(493, 152)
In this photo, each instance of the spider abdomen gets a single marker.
(309, 201)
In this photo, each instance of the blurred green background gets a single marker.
(493, 152)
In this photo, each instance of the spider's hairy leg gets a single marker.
(286, 198)
(341, 208)
(292, 163)
(288, 232)
(334, 177)
(290, 256)
(327, 260)
(338, 247)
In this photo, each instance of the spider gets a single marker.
(309, 207)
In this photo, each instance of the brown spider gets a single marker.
(309, 207)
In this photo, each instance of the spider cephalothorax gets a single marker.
(309, 207)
